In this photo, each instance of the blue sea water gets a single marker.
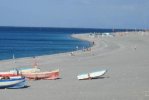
(30, 41)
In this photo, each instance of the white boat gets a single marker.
(91, 75)
(29, 70)
(18, 71)
(25, 70)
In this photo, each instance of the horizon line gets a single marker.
(71, 27)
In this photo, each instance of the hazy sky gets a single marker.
(75, 13)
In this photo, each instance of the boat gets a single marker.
(4, 74)
(19, 71)
(12, 82)
(92, 75)
(25, 70)
(51, 75)
(10, 77)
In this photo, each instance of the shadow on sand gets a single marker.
(17, 88)
(103, 77)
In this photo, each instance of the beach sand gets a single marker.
(125, 56)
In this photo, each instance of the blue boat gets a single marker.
(13, 83)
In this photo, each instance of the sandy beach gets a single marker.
(125, 56)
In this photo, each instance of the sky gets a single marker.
(75, 13)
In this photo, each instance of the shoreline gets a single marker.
(125, 56)
(29, 57)
(56, 54)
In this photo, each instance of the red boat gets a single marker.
(19, 71)
(7, 74)
(52, 75)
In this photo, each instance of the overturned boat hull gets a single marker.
(91, 75)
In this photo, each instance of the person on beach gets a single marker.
(93, 43)
(35, 64)
(135, 47)
(72, 54)
(77, 47)
(17, 71)
(83, 49)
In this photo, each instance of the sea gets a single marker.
(37, 41)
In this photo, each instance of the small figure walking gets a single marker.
(93, 43)
(72, 54)
(35, 64)
(77, 47)
(135, 47)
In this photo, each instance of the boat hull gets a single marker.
(7, 74)
(16, 72)
(91, 75)
(52, 75)
(14, 83)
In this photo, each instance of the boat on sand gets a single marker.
(92, 75)
(48, 75)
(12, 82)
(19, 71)
(25, 70)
